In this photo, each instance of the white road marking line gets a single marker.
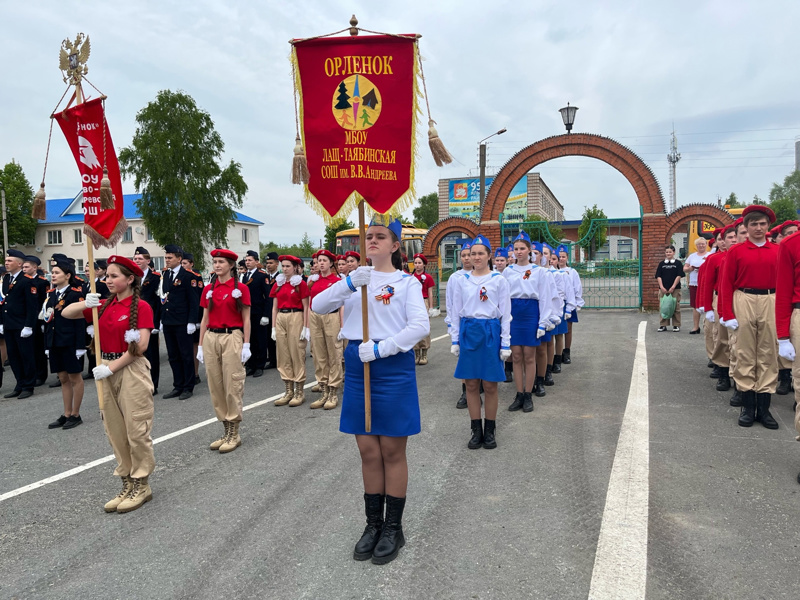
(163, 438)
(620, 564)
(441, 337)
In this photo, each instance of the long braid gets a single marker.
(211, 300)
(239, 305)
(133, 347)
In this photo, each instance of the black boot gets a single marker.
(538, 387)
(556, 364)
(527, 402)
(509, 369)
(710, 363)
(762, 411)
(748, 414)
(476, 441)
(565, 359)
(736, 399)
(488, 434)
(373, 507)
(517, 403)
(548, 376)
(784, 382)
(716, 372)
(392, 538)
(724, 383)
(462, 402)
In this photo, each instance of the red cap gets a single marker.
(224, 253)
(788, 224)
(326, 252)
(719, 231)
(737, 222)
(352, 253)
(290, 258)
(421, 257)
(759, 208)
(127, 263)
(711, 241)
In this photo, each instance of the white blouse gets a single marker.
(484, 297)
(535, 283)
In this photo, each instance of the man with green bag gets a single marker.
(668, 275)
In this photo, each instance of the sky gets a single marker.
(723, 74)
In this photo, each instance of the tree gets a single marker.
(332, 230)
(790, 189)
(342, 98)
(784, 209)
(544, 231)
(598, 237)
(306, 246)
(732, 201)
(187, 197)
(19, 202)
(427, 213)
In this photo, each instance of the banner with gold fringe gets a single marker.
(359, 105)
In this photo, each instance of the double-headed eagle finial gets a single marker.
(73, 57)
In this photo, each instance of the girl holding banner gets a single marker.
(398, 320)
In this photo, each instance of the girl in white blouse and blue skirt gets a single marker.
(398, 320)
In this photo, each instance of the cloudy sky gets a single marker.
(724, 72)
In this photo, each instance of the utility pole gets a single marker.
(5, 219)
(673, 157)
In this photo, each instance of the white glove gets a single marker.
(92, 301)
(47, 353)
(295, 280)
(155, 331)
(264, 321)
(90, 330)
(42, 328)
(199, 353)
(305, 334)
(361, 276)
(431, 312)
(540, 332)
(567, 316)
(198, 326)
(710, 316)
(733, 324)
(455, 350)
(101, 372)
(340, 336)
(785, 349)
(505, 354)
(26, 332)
(191, 328)
(246, 354)
(2, 330)
(80, 353)
(436, 312)
(701, 309)
(366, 351)
(274, 334)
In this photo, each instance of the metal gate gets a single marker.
(611, 274)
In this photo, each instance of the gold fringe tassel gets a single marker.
(106, 195)
(300, 172)
(116, 235)
(39, 210)
(440, 154)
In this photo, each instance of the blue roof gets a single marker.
(56, 209)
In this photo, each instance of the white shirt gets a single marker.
(448, 293)
(535, 283)
(696, 260)
(467, 293)
(576, 285)
(402, 322)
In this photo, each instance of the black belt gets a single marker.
(333, 312)
(756, 291)
(224, 329)
(796, 305)
(290, 310)
(111, 355)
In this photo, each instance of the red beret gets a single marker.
(352, 253)
(290, 258)
(712, 241)
(340, 257)
(788, 224)
(222, 252)
(737, 222)
(127, 263)
(719, 231)
(326, 252)
(421, 257)
(759, 208)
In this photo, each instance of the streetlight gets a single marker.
(568, 116)
(482, 163)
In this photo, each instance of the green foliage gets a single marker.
(427, 213)
(187, 197)
(609, 268)
(332, 230)
(784, 208)
(19, 202)
(790, 190)
(732, 201)
(305, 248)
(540, 230)
(598, 236)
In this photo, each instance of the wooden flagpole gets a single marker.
(362, 244)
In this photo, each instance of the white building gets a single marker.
(62, 232)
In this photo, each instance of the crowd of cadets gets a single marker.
(749, 291)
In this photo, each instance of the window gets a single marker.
(77, 236)
(158, 263)
(245, 236)
(149, 235)
(54, 237)
(128, 237)
(79, 265)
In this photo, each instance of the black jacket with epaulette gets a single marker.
(59, 331)
(21, 301)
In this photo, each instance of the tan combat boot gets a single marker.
(423, 357)
(216, 444)
(127, 486)
(140, 494)
(333, 399)
(233, 441)
(320, 402)
(317, 388)
(284, 400)
(416, 356)
(299, 394)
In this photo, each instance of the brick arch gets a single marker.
(710, 213)
(443, 228)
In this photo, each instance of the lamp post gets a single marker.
(568, 116)
(5, 221)
(482, 164)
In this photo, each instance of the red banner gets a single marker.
(358, 111)
(83, 127)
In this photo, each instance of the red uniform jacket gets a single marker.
(788, 284)
(746, 266)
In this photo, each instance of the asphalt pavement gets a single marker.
(278, 517)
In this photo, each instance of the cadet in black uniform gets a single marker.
(20, 309)
(100, 266)
(179, 309)
(187, 262)
(31, 267)
(151, 281)
(271, 270)
(256, 281)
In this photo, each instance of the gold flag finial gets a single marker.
(353, 26)
(73, 58)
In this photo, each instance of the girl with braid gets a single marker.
(225, 345)
(125, 322)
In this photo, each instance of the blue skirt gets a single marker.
(574, 317)
(524, 322)
(395, 403)
(562, 327)
(479, 356)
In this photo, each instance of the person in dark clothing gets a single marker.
(668, 274)
(18, 316)
(151, 282)
(256, 281)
